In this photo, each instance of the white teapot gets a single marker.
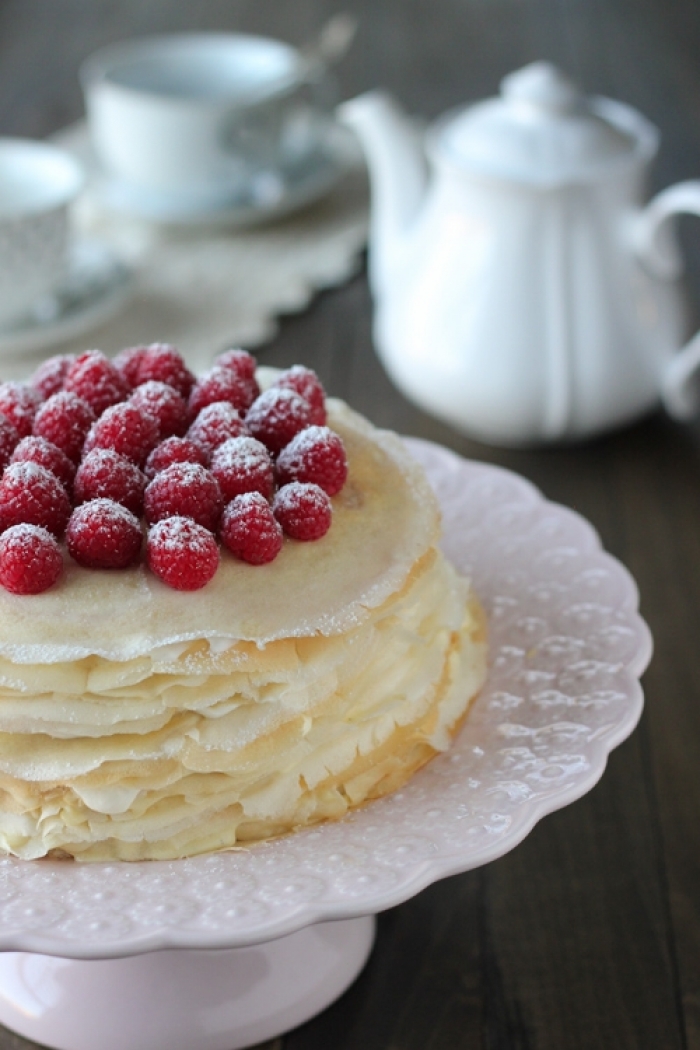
(523, 293)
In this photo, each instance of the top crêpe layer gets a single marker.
(384, 520)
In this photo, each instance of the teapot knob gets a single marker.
(542, 86)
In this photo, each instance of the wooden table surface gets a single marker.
(587, 935)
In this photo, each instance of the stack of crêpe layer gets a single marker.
(140, 722)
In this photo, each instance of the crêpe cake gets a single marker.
(138, 722)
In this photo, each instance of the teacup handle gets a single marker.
(680, 389)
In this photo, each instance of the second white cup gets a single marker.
(38, 183)
(193, 118)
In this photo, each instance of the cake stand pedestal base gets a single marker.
(221, 999)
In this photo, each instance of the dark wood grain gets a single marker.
(587, 935)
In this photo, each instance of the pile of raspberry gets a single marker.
(137, 458)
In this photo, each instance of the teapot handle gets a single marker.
(658, 248)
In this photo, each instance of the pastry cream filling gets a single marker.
(205, 761)
(140, 723)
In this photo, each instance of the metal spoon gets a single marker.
(332, 43)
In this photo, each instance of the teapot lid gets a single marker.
(542, 130)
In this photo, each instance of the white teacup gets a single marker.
(38, 182)
(193, 119)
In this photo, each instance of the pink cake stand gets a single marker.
(227, 950)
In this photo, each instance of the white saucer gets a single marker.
(95, 287)
(270, 194)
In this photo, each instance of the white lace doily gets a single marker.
(567, 647)
(205, 289)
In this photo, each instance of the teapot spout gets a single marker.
(398, 176)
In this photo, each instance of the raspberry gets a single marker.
(305, 382)
(102, 534)
(184, 490)
(30, 559)
(32, 495)
(125, 429)
(243, 365)
(214, 425)
(241, 465)
(316, 454)
(18, 404)
(8, 441)
(220, 384)
(174, 450)
(304, 511)
(250, 530)
(164, 404)
(276, 416)
(127, 363)
(95, 379)
(49, 376)
(182, 553)
(64, 420)
(163, 362)
(239, 361)
(39, 450)
(104, 474)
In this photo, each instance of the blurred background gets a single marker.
(588, 934)
(431, 54)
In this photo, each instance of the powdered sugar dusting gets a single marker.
(290, 496)
(155, 393)
(174, 450)
(276, 416)
(165, 404)
(306, 382)
(113, 513)
(30, 493)
(30, 559)
(214, 424)
(26, 534)
(102, 534)
(303, 510)
(65, 419)
(186, 489)
(48, 377)
(29, 473)
(105, 473)
(243, 451)
(95, 379)
(315, 455)
(243, 464)
(177, 532)
(19, 403)
(38, 450)
(182, 553)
